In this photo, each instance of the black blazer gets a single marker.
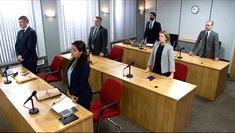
(152, 34)
(100, 41)
(26, 45)
(79, 85)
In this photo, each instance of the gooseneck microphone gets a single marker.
(7, 81)
(32, 110)
(129, 75)
(129, 65)
(179, 49)
(30, 97)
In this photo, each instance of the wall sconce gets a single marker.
(105, 11)
(50, 13)
(141, 9)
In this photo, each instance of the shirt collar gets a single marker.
(25, 28)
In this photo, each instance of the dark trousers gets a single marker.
(30, 65)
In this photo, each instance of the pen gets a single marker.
(58, 101)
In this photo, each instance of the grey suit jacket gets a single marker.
(167, 60)
(212, 45)
(98, 43)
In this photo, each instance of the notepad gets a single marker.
(22, 79)
(47, 93)
(62, 104)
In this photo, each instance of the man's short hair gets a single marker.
(98, 17)
(212, 22)
(153, 13)
(24, 18)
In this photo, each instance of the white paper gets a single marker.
(62, 104)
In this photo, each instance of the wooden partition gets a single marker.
(12, 97)
(209, 75)
(232, 69)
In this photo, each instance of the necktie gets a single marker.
(95, 31)
(150, 25)
(204, 50)
(206, 37)
(21, 34)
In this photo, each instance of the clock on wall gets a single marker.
(195, 9)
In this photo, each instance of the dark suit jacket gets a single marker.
(26, 45)
(79, 85)
(152, 34)
(212, 45)
(100, 41)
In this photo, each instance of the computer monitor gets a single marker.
(174, 40)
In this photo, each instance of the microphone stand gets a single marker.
(89, 53)
(33, 110)
(180, 57)
(7, 81)
(129, 75)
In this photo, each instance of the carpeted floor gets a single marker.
(213, 116)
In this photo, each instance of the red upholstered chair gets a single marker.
(116, 53)
(108, 106)
(54, 74)
(181, 71)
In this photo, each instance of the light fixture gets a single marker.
(50, 13)
(105, 11)
(141, 9)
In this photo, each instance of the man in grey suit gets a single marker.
(98, 38)
(207, 44)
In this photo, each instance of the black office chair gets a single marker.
(174, 40)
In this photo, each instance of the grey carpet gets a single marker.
(213, 116)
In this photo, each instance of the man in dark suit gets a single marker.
(152, 29)
(98, 38)
(207, 44)
(25, 45)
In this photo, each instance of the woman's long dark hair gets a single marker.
(81, 46)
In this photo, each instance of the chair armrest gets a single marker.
(95, 92)
(107, 107)
(50, 73)
(118, 59)
(40, 68)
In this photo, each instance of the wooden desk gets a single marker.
(207, 74)
(157, 109)
(167, 108)
(13, 96)
(187, 40)
(134, 54)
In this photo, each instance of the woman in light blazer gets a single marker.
(161, 60)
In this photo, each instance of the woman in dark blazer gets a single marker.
(77, 75)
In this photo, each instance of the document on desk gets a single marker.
(62, 104)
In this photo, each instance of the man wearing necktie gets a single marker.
(152, 29)
(207, 44)
(25, 45)
(98, 38)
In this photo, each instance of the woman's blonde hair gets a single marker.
(167, 35)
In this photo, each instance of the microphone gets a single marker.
(129, 65)
(181, 48)
(30, 97)
(5, 72)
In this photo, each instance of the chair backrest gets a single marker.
(181, 71)
(111, 91)
(116, 53)
(57, 63)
